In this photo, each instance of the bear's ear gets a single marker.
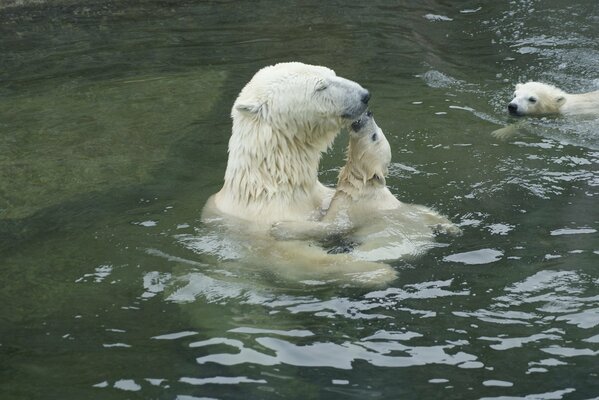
(250, 108)
(518, 86)
(560, 99)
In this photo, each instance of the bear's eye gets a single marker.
(374, 137)
(532, 99)
(321, 86)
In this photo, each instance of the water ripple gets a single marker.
(340, 356)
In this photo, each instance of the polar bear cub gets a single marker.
(536, 98)
(373, 222)
(284, 118)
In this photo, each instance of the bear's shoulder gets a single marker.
(583, 103)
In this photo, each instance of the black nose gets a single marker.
(366, 97)
(512, 107)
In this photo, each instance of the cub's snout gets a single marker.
(362, 121)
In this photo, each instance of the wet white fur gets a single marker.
(364, 208)
(536, 98)
(283, 119)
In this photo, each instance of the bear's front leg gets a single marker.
(302, 230)
(437, 222)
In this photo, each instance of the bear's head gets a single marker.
(536, 98)
(369, 152)
(306, 102)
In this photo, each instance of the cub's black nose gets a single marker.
(512, 107)
(366, 97)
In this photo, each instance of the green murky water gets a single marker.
(114, 122)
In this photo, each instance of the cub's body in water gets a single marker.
(365, 211)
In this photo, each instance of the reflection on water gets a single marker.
(340, 356)
(114, 132)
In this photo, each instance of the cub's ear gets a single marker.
(518, 86)
(560, 100)
(247, 107)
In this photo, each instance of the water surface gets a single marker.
(114, 128)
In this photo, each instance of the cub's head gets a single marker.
(300, 100)
(536, 98)
(369, 151)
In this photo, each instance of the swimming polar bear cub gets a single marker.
(536, 98)
(283, 119)
(364, 209)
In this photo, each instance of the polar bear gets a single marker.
(283, 119)
(363, 210)
(536, 98)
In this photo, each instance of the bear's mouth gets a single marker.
(357, 125)
(357, 109)
(353, 114)
(360, 122)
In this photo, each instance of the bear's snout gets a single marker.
(365, 96)
(357, 125)
(512, 108)
(360, 122)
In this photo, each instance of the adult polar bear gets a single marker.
(283, 120)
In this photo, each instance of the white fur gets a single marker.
(536, 98)
(365, 210)
(283, 119)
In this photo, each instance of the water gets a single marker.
(115, 121)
